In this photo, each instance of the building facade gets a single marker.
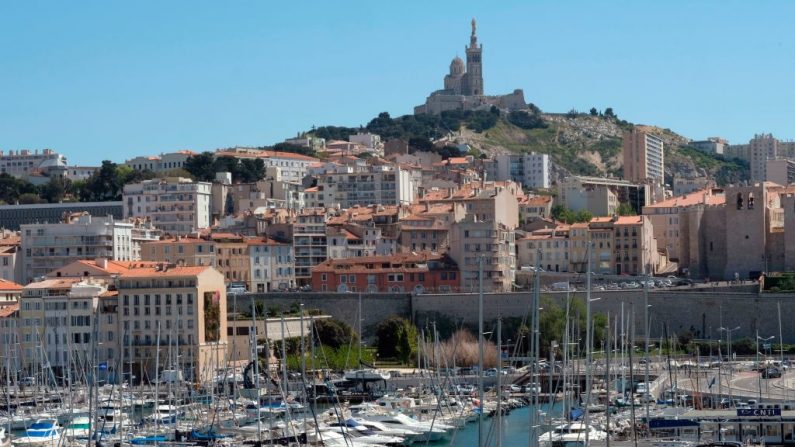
(24, 163)
(184, 308)
(530, 169)
(46, 247)
(174, 205)
(761, 148)
(408, 272)
(472, 240)
(644, 156)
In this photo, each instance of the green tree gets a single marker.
(56, 189)
(334, 333)
(526, 120)
(594, 112)
(583, 216)
(201, 166)
(609, 113)
(11, 188)
(103, 185)
(625, 209)
(396, 338)
(30, 198)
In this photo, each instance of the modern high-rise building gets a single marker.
(644, 157)
(175, 205)
(532, 170)
(761, 148)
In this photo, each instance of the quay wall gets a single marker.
(701, 312)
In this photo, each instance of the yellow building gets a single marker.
(182, 307)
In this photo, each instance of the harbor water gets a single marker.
(515, 431)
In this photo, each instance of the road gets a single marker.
(741, 384)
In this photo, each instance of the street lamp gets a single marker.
(759, 370)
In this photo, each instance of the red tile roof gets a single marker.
(8, 310)
(9, 285)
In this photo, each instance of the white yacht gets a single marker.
(571, 433)
(43, 433)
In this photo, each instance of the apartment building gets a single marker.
(270, 192)
(635, 246)
(671, 224)
(25, 163)
(644, 157)
(686, 185)
(271, 265)
(761, 148)
(232, 257)
(56, 322)
(780, 171)
(712, 145)
(9, 336)
(370, 141)
(10, 256)
(160, 163)
(174, 205)
(601, 196)
(400, 273)
(180, 250)
(534, 207)
(485, 201)
(472, 240)
(182, 307)
(344, 186)
(352, 240)
(548, 248)
(428, 227)
(531, 170)
(309, 242)
(46, 247)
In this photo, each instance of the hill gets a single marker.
(581, 144)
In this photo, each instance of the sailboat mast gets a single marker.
(480, 351)
(588, 346)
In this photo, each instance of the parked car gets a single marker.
(771, 373)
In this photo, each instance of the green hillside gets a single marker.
(581, 144)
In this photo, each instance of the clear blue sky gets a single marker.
(101, 79)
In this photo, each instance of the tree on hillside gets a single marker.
(609, 113)
(563, 214)
(520, 118)
(56, 189)
(201, 166)
(11, 188)
(396, 338)
(103, 185)
(594, 112)
(419, 144)
(296, 149)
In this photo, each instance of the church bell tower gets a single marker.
(474, 64)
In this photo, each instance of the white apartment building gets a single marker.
(160, 163)
(309, 243)
(25, 163)
(369, 140)
(342, 186)
(46, 247)
(79, 172)
(175, 205)
(56, 322)
(532, 170)
(271, 265)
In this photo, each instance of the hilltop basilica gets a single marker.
(463, 86)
